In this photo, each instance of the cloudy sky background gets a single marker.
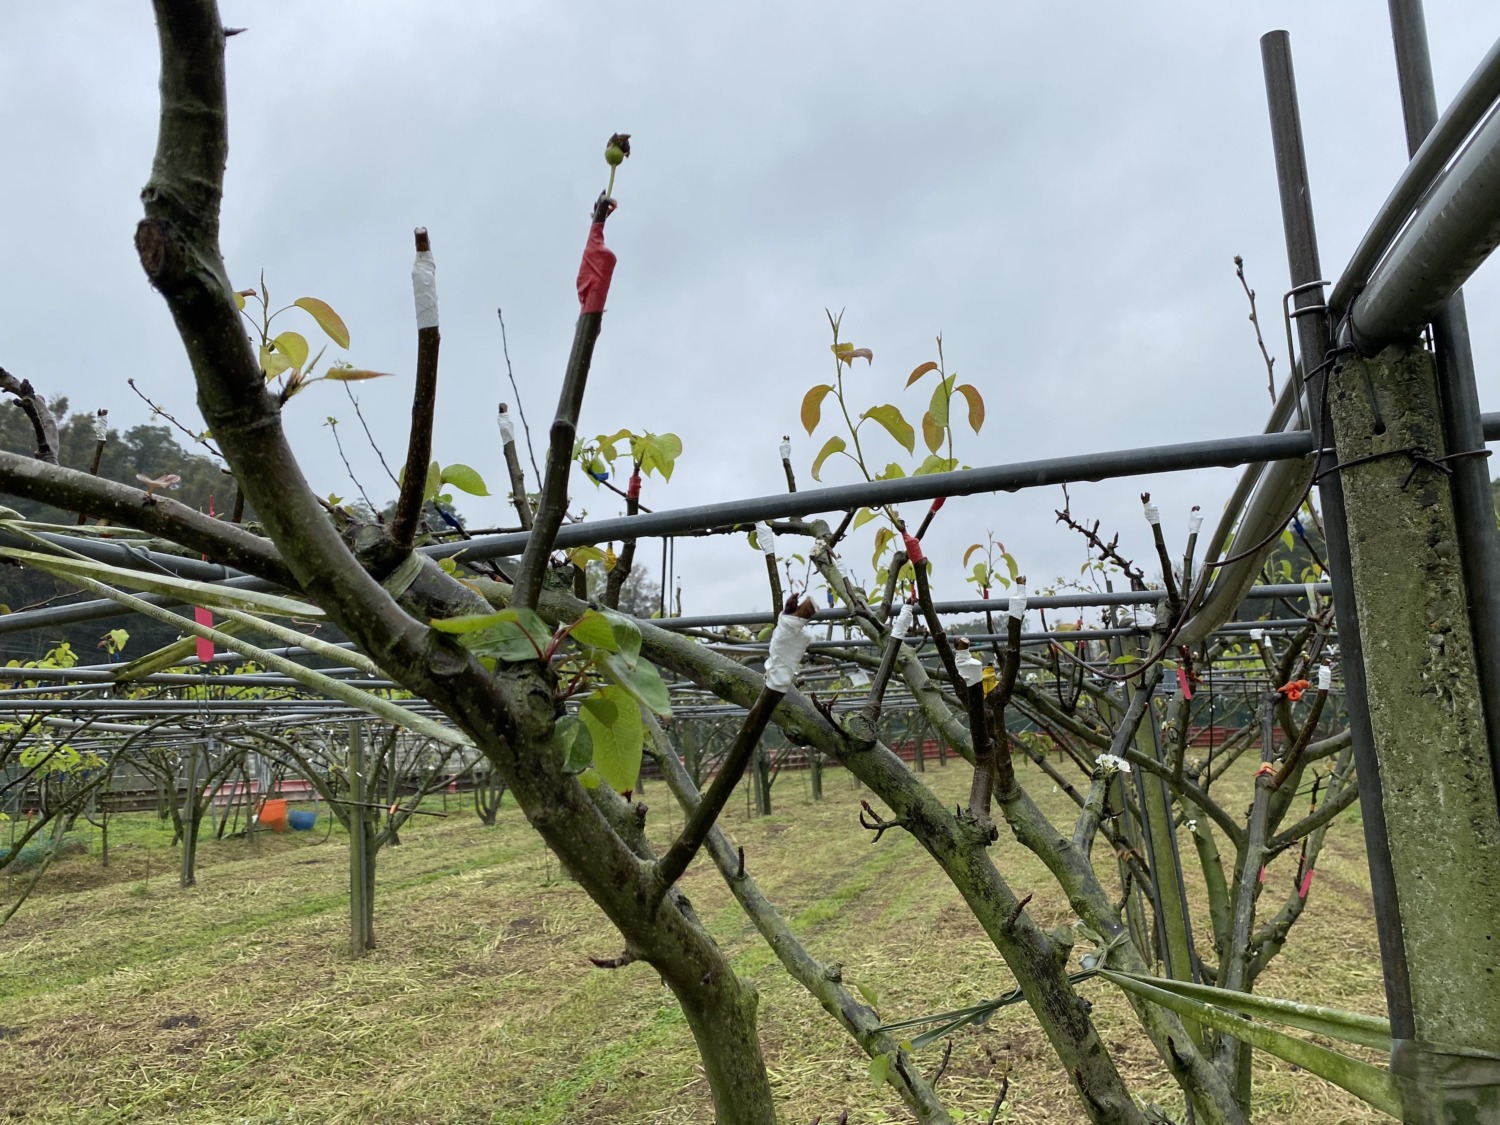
(1058, 189)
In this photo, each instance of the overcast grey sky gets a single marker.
(1058, 189)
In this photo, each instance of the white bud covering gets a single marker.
(786, 451)
(507, 429)
(970, 668)
(903, 621)
(1018, 602)
(424, 289)
(788, 643)
(1195, 522)
(1325, 677)
(1153, 515)
(765, 538)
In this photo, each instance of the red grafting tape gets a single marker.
(633, 491)
(1266, 770)
(913, 548)
(595, 271)
(937, 504)
(1305, 884)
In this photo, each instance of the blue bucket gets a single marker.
(300, 820)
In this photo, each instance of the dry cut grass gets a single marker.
(126, 999)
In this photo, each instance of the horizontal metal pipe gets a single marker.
(1226, 452)
(992, 605)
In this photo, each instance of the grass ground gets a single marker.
(124, 998)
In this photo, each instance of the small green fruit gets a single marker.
(614, 155)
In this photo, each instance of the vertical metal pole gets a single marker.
(1478, 542)
(1314, 341)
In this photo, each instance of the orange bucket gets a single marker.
(273, 815)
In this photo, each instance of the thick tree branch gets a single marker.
(76, 491)
(43, 425)
(408, 512)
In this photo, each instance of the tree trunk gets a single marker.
(761, 780)
(192, 817)
(361, 851)
(1425, 710)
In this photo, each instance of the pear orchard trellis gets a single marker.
(1363, 414)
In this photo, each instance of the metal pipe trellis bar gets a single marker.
(1435, 151)
(1217, 453)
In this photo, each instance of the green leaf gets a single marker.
(594, 630)
(892, 471)
(293, 346)
(581, 556)
(465, 479)
(976, 404)
(921, 370)
(765, 634)
(510, 634)
(627, 633)
(640, 678)
(938, 406)
(895, 425)
(328, 320)
(880, 1066)
(614, 723)
(273, 363)
(848, 353)
(864, 516)
(882, 538)
(834, 445)
(973, 547)
(872, 998)
(657, 452)
(576, 742)
(932, 433)
(936, 464)
(812, 406)
(473, 622)
(434, 483)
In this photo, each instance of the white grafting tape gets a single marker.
(903, 621)
(1195, 522)
(507, 429)
(786, 451)
(1018, 602)
(1325, 677)
(788, 643)
(1153, 515)
(101, 428)
(424, 289)
(765, 539)
(970, 669)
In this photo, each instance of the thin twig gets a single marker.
(368, 436)
(1239, 272)
(162, 412)
(505, 347)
